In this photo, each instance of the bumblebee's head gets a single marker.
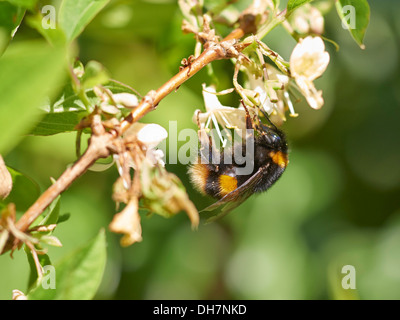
(274, 138)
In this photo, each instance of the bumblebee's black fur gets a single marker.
(267, 141)
(221, 179)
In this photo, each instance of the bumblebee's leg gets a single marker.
(252, 123)
(267, 117)
(249, 122)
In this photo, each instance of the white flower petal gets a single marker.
(309, 61)
(211, 101)
(314, 97)
(126, 99)
(151, 135)
(227, 117)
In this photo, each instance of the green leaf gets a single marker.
(24, 193)
(52, 213)
(30, 72)
(355, 15)
(119, 87)
(50, 240)
(75, 15)
(58, 122)
(10, 18)
(28, 4)
(78, 275)
(64, 115)
(54, 36)
(63, 217)
(69, 100)
(294, 4)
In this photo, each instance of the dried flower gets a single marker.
(190, 10)
(308, 61)
(128, 222)
(164, 194)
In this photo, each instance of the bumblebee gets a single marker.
(223, 181)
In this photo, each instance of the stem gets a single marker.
(39, 268)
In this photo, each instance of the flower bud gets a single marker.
(18, 295)
(128, 100)
(5, 180)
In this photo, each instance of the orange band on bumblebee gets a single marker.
(227, 184)
(279, 158)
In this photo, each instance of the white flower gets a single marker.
(309, 58)
(308, 19)
(227, 117)
(275, 108)
(150, 136)
(308, 61)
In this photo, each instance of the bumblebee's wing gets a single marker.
(233, 199)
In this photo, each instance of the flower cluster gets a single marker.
(269, 87)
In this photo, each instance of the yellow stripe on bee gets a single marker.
(279, 158)
(227, 184)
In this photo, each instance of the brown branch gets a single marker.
(97, 149)
(101, 142)
(209, 55)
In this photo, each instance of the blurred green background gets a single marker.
(337, 204)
